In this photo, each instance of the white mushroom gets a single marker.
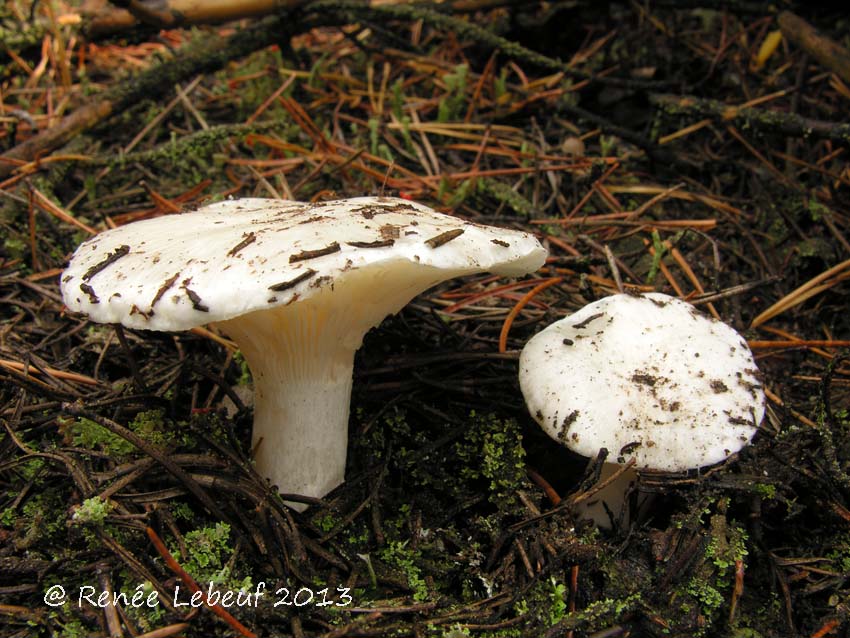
(648, 378)
(296, 285)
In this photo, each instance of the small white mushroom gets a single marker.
(648, 378)
(297, 286)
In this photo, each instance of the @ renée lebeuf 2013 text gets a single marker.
(55, 596)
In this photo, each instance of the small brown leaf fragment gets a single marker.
(644, 378)
(90, 292)
(163, 289)
(717, 386)
(312, 220)
(583, 324)
(370, 211)
(628, 448)
(321, 281)
(312, 254)
(736, 420)
(110, 259)
(194, 297)
(285, 285)
(134, 310)
(567, 424)
(378, 243)
(499, 242)
(247, 239)
(444, 238)
(390, 231)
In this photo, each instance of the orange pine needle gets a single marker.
(161, 201)
(472, 298)
(827, 628)
(691, 275)
(541, 482)
(174, 566)
(53, 372)
(40, 200)
(758, 344)
(509, 320)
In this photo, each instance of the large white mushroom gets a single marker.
(648, 378)
(297, 286)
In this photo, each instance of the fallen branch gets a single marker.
(760, 119)
(179, 13)
(182, 13)
(823, 49)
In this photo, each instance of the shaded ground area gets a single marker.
(689, 150)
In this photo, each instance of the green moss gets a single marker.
(374, 125)
(15, 248)
(816, 248)
(506, 195)
(709, 597)
(92, 511)
(148, 618)
(840, 555)
(70, 627)
(709, 587)
(492, 450)
(326, 522)
(181, 511)
(91, 436)
(244, 370)
(765, 490)
(500, 84)
(151, 426)
(398, 555)
(450, 107)
(208, 553)
(459, 195)
(455, 632)
(42, 518)
(607, 145)
(817, 211)
(544, 605)
(660, 249)
(777, 230)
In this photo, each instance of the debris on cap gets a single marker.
(237, 256)
(648, 378)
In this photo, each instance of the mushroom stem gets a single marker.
(302, 360)
(302, 391)
(611, 498)
(301, 432)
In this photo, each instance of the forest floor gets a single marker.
(700, 152)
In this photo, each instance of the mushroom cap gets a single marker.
(237, 256)
(647, 377)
